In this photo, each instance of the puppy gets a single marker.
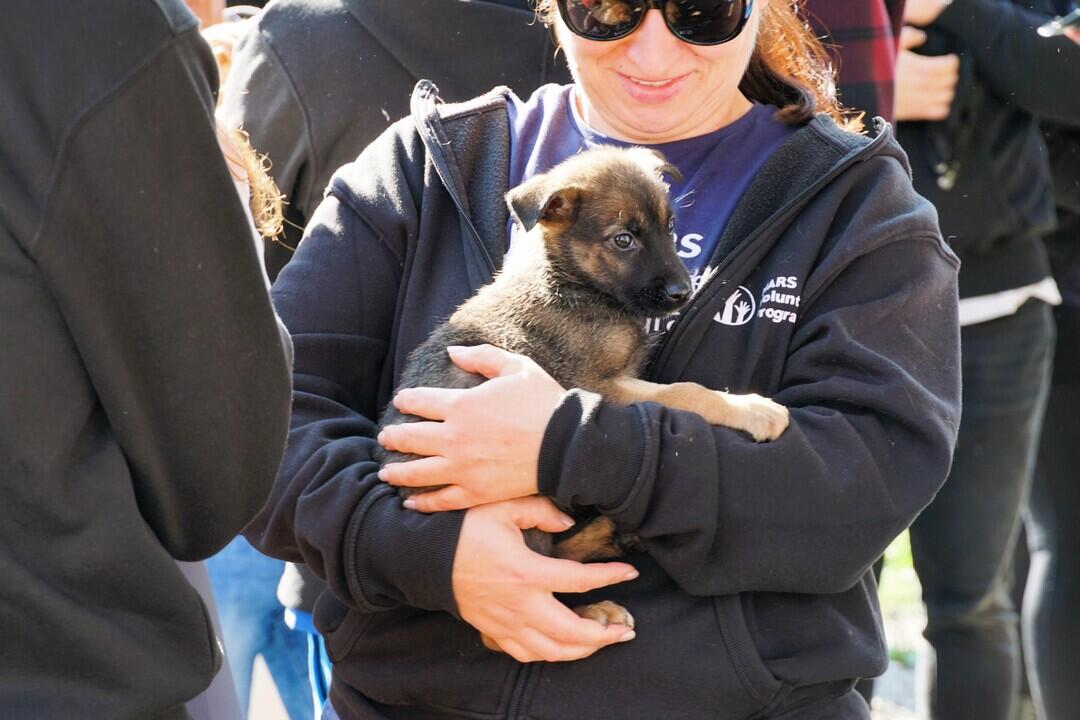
(596, 263)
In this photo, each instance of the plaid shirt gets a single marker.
(862, 37)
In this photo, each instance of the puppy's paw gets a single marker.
(762, 418)
(607, 613)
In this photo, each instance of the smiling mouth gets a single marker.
(652, 83)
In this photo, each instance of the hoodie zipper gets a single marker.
(525, 673)
(704, 292)
(426, 123)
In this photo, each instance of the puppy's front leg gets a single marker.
(762, 418)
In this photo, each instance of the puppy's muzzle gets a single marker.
(666, 296)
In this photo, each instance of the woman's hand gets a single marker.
(485, 443)
(505, 590)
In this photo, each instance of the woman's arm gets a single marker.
(330, 510)
(872, 383)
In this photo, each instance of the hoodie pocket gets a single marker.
(408, 657)
(691, 658)
(341, 639)
(746, 660)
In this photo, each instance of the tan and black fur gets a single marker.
(576, 301)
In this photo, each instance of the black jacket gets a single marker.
(145, 385)
(314, 82)
(985, 168)
(754, 593)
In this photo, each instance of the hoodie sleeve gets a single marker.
(1039, 75)
(162, 292)
(871, 379)
(328, 508)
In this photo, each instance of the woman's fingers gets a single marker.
(486, 360)
(537, 512)
(451, 497)
(427, 402)
(567, 576)
(417, 438)
(415, 473)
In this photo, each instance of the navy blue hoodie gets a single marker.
(754, 595)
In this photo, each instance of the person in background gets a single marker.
(223, 36)
(146, 381)
(209, 12)
(862, 39)
(1052, 593)
(313, 83)
(971, 81)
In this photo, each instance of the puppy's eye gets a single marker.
(623, 241)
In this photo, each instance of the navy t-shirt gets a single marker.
(716, 167)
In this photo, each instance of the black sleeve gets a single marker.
(328, 508)
(163, 294)
(871, 379)
(1039, 75)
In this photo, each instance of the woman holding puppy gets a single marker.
(822, 282)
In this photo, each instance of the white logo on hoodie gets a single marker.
(738, 308)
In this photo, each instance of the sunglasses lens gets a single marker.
(705, 22)
(602, 19)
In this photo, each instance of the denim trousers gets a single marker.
(962, 544)
(253, 623)
(1051, 623)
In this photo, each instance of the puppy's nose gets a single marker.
(677, 291)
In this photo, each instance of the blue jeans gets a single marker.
(963, 543)
(252, 623)
(319, 667)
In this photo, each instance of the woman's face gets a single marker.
(651, 87)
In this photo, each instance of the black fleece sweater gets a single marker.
(1003, 198)
(145, 384)
(754, 594)
(314, 82)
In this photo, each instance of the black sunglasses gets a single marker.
(698, 22)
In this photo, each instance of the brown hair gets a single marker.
(789, 68)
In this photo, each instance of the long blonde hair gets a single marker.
(789, 68)
(247, 166)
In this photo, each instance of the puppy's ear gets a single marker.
(663, 167)
(534, 202)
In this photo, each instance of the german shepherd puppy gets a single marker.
(597, 262)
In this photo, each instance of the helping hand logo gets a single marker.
(738, 308)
